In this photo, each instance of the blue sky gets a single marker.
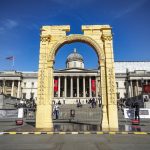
(20, 22)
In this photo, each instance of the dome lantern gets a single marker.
(75, 60)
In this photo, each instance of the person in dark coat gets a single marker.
(137, 109)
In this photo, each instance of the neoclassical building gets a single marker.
(76, 82)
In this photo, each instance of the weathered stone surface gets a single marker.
(97, 36)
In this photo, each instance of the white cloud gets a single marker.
(7, 24)
(132, 7)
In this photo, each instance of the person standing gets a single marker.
(137, 109)
(56, 111)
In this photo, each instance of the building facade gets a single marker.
(75, 82)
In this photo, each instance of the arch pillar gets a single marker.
(110, 80)
(45, 84)
(44, 106)
(104, 121)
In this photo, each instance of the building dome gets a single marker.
(75, 60)
(75, 56)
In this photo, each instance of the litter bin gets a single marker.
(19, 122)
(72, 113)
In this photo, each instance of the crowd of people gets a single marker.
(132, 105)
(92, 102)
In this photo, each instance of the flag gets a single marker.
(10, 58)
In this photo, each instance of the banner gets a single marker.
(146, 88)
(93, 85)
(55, 85)
(130, 113)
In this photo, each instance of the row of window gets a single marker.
(74, 65)
(117, 84)
(9, 83)
(24, 84)
(24, 95)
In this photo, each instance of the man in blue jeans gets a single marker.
(56, 111)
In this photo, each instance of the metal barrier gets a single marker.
(79, 114)
(71, 112)
(8, 113)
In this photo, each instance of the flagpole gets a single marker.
(12, 59)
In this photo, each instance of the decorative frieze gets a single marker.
(111, 86)
(46, 38)
(106, 37)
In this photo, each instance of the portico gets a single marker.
(75, 87)
(10, 83)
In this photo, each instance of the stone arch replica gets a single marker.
(97, 36)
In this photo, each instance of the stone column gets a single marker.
(4, 82)
(71, 84)
(129, 89)
(90, 93)
(146, 82)
(96, 87)
(137, 88)
(18, 91)
(65, 85)
(84, 87)
(77, 86)
(131, 86)
(12, 89)
(102, 87)
(59, 86)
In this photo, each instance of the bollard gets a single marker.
(72, 113)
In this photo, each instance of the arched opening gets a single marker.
(89, 81)
(76, 84)
(89, 95)
(76, 61)
(77, 38)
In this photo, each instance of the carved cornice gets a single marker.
(106, 37)
(45, 38)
